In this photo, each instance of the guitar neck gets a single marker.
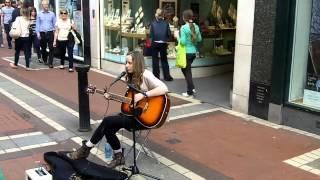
(115, 97)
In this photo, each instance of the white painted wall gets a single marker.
(95, 32)
(243, 55)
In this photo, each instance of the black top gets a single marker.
(160, 30)
(15, 14)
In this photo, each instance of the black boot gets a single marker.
(118, 159)
(81, 153)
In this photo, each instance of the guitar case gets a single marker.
(64, 168)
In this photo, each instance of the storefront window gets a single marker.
(130, 30)
(305, 69)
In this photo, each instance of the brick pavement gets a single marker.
(219, 144)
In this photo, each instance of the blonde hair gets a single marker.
(25, 12)
(63, 10)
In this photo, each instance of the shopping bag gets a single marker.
(15, 31)
(181, 60)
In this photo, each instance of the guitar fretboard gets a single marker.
(115, 97)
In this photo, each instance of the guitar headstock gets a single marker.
(91, 89)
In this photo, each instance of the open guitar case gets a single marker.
(64, 168)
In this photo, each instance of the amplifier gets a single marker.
(38, 174)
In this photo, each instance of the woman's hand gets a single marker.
(73, 26)
(54, 44)
(138, 97)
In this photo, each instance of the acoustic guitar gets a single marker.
(150, 112)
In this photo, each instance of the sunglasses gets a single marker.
(7, 2)
(63, 13)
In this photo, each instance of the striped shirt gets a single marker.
(33, 22)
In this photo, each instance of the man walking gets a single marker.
(46, 21)
(7, 15)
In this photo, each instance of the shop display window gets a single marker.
(305, 68)
(126, 26)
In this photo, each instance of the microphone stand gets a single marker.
(134, 169)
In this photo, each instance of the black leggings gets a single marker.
(111, 125)
(187, 72)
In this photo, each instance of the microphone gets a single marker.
(119, 77)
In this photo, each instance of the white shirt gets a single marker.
(24, 25)
(63, 27)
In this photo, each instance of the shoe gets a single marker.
(2, 45)
(81, 153)
(168, 79)
(40, 60)
(118, 159)
(50, 66)
(10, 47)
(61, 67)
(13, 66)
(70, 70)
(28, 69)
(185, 94)
(194, 91)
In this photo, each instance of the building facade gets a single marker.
(274, 60)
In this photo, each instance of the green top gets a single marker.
(186, 40)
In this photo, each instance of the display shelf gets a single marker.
(133, 35)
(113, 28)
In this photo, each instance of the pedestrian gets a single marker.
(160, 33)
(23, 42)
(45, 26)
(33, 34)
(61, 42)
(16, 11)
(1, 26)
(7, 15)
(144, 80)
(190, 36)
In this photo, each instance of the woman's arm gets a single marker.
(156, 87)
(56, 32)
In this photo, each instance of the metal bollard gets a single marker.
(84, 108)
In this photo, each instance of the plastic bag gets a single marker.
(181, 60)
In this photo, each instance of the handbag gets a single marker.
(181, 59)
(75, 36)
(15, 31)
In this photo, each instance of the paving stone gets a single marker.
(27, 97)
(36, 102)
(61, 135)
(190, 109)
(314, 164)
(7, 144)
(32, 140)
